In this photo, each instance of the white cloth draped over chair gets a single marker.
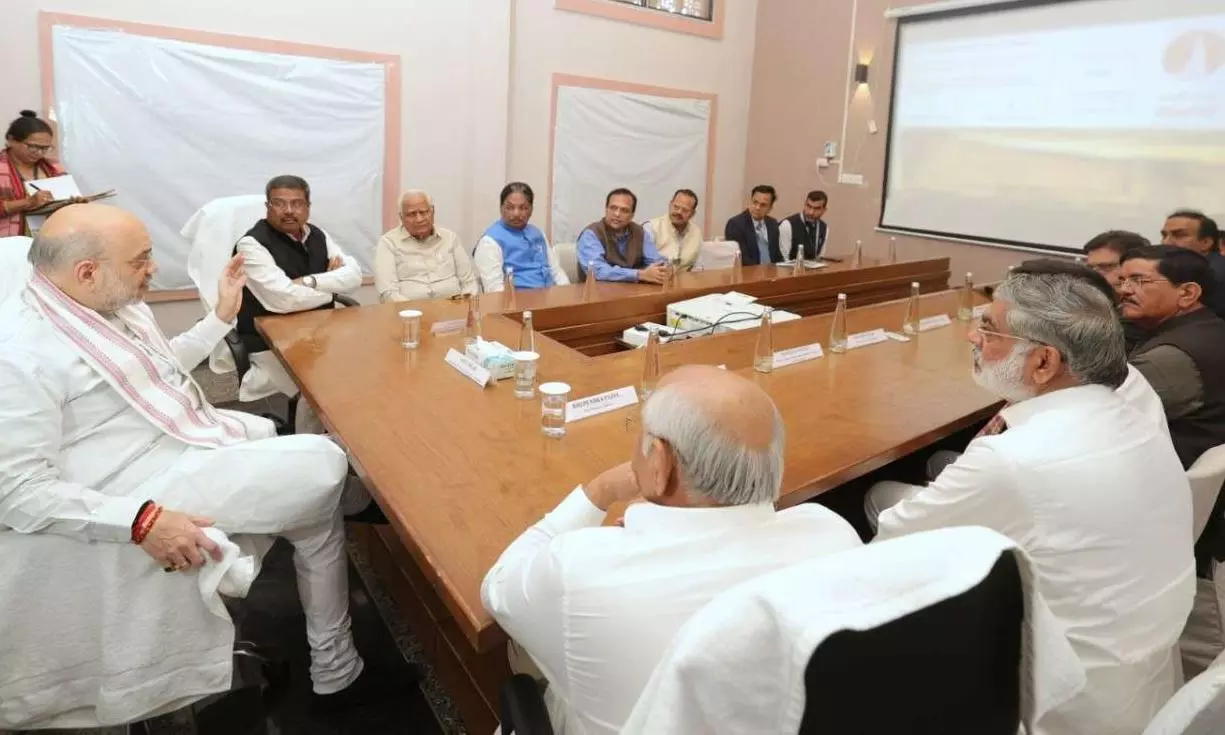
(716, 255)
(213, 231)
(738, 666)
(1198, 708)
(14, 264)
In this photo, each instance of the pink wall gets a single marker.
(799, 93)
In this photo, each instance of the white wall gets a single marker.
(548, 41)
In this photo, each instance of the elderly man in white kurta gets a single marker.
(108, 442)
(595, 607)
(1087, 484)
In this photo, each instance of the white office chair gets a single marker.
(1198, 708)
(567, 256)
(1206, 477)
(14, 265)
(213, 231)
(716, 255)
(932, 623)
(1203, 639)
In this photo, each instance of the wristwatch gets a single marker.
(310, 281)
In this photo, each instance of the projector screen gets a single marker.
(1045, 123)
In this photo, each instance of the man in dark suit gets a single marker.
(755, 230)
(1195, 231)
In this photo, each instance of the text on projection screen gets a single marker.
(1051, 124)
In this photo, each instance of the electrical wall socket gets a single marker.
(831, 150)
(872, 129)
(854, 179)
(822, 163)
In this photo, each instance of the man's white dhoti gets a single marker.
(92, 630)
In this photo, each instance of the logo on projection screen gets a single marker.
(1195, 54)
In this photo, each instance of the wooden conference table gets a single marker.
(461, 471)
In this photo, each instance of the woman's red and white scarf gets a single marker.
(180, 410)
(12, 188)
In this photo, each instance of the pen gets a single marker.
(35, 188)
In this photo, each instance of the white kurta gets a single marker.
(1092, 490)
(595, 607)
(93, 631)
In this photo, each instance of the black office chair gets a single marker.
(242, 364)
(953, 668)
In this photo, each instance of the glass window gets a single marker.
(699, 9)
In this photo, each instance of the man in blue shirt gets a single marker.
(616, 248)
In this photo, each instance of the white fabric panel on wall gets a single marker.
(605, 139)
(173, 125)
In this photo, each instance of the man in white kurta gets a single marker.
(98, 630)
(1087, 484)
(595, 607)
(676, 237)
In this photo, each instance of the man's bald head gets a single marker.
(100, 256)
(722, 431)
(80, 232)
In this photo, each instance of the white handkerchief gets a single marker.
(232, 576)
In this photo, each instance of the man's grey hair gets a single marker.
(55, 254)
(712, 464)
(1072, 315)
(416, 193)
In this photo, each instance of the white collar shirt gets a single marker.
(1092, 490)
(595, 607)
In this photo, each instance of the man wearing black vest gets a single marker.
(1182, 354)
(805, 228)
(291, 267)
(755, 230)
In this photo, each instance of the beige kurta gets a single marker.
(673, 245)
(408, 269)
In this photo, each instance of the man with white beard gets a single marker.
(1088, 485)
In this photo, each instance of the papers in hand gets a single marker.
(63, 189)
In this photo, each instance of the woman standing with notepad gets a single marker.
(24, 159)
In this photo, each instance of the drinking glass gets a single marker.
(525, 373)
(411, 321)
(553, 399)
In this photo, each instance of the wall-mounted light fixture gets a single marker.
(861, 73)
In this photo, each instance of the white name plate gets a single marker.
(979, 310)
(934, 322)
(863, 339)
(582, 408)
(783, 358)
(448, 327)
(468, 367)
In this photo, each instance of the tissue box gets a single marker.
(494, 357)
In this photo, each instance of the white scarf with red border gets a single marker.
(181, 410)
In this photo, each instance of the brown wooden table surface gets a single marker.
(461, 471)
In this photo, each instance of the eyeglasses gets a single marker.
(977, 326)
(1105, 268)
(415, 214)
(1139, 281)
(44, 149)
(282, 205)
